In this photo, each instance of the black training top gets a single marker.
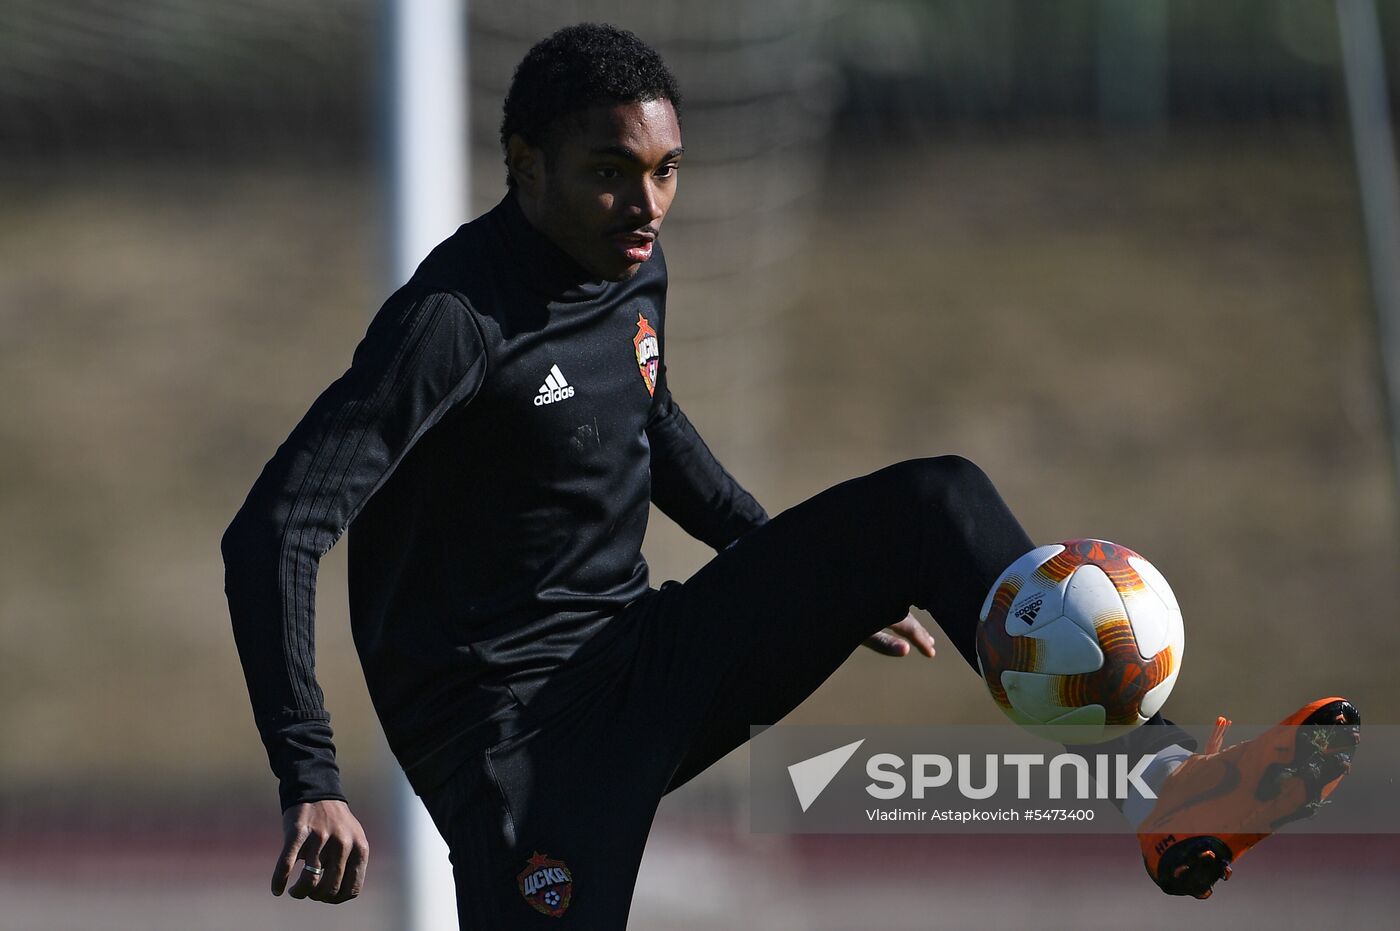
(494, 444)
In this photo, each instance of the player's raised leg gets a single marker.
(761, 626)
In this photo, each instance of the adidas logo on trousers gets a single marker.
(555, 388)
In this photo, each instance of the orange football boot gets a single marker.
(1283, 775)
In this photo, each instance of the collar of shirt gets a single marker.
(546, 268)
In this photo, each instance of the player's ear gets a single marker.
(525, 162)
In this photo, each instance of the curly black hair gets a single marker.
(576, 68)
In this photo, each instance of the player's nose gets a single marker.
(646, 205)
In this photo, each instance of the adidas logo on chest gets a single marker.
(556, 388)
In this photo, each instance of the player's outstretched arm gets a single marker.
(694, 490)
(327, 837)
(688, 483)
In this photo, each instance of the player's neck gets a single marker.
(549, 267)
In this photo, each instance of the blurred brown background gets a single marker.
(1112, 252)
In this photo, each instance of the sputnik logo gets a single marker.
(811, 777)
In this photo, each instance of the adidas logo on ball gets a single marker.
(1027, 612)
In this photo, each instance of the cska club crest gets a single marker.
(547, 885)
(648, 352)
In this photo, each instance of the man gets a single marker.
(495, 445)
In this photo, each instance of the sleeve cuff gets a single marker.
(302, 756)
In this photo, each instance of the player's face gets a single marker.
(603, 191)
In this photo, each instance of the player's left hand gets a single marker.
(899, 639)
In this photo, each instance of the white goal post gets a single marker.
(1363, 64)
(427, 181)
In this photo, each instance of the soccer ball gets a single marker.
(1083, 634)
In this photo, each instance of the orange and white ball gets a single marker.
(1084, 633)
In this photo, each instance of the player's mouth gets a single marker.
(635, 247)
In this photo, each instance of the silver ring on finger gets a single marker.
(313, 870)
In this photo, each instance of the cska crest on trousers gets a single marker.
(547, 885)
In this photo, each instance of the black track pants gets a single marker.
(558, 814)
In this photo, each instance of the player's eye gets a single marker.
(667, 171)
(607, 172)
